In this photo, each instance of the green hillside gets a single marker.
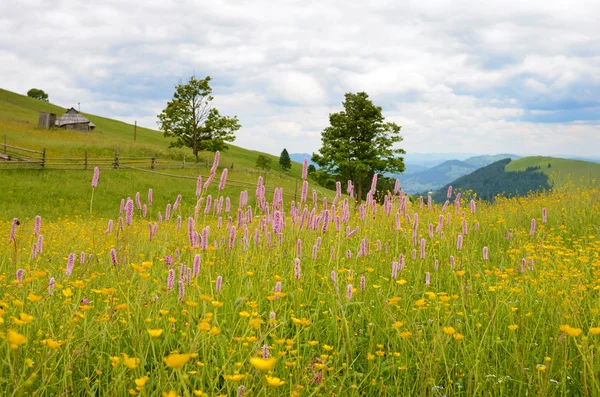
(482, 161)
(19, 117)
(560, 171)
(65, 193)
(493, 180)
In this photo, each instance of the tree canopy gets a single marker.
(284, 160)
(190, 118)
(36, 93)
(359, 143)
(263, 162)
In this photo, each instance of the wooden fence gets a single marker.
(13, 157)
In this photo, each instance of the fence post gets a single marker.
(116, 163)
(86, 160)
(43, 157)
(153, 163)
(135, 131)
(296, 190)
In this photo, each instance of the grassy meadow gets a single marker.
(280, 295)
(286, 302)
(561, 171)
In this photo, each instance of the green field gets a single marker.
(55, 193)
(561, 171)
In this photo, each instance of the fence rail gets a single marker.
(14, 157)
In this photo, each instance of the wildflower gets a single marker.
(458, 336)
(219, 283)
(19, 275)
(272, 381)
(95, 177)
(70, 263)
(113, 256)
(141, 382)
(262, 363)
(15, 339)
(176, 360)
(570, 330)
(155, 333)
(449, 330)
(305, 168)
(513, 327)
(349, 292)
(397, 324)
(297, 268)
(595, 330)
(541, 367)
(130, 362)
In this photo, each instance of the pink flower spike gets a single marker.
(95, 177)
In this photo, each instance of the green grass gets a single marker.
(562, 171)
(58, 193)
(19, 117)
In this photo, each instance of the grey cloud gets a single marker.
(458, 75)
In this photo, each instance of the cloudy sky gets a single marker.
(459, 76)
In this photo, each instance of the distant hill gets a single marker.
(299, 158)
(436, 177)
(559, 170)
(482, 161)
(19, 116)
(492, 180)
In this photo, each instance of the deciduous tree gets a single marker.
(190, 118)
(36, 93)
(359, 143)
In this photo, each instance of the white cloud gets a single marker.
(457, 75)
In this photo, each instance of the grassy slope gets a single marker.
(19, 115)
(58, 193)
(561, 170)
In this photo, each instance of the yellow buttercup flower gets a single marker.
(130, 362)
(141, 382)
(595, 330)
(26, 318)
(34, 298)
(272, 381)
(513, 327)
(53, 344)
(176, 360)
(15, 339)
(263, 364)
(155, 333)
(449, 330)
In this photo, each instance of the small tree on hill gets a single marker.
(284, 160)
(36, 93)
(359, 143)
(190, 118)
(263, 162)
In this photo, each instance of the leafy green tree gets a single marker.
(190, 118)
(263, 162)
(359, 143)
(36, 93)
(311, 169)
(284, 160)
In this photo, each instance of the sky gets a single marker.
(480, 77)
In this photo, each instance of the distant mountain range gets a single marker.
(437, 176)
(428, 172)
